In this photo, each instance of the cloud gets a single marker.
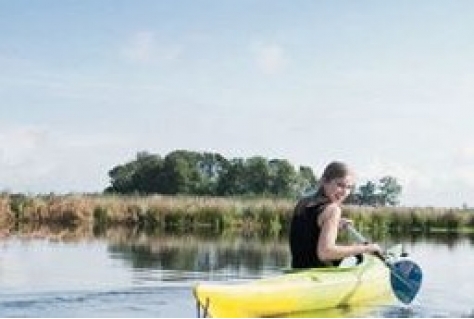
(42, 160)
(445, 183)
(465, 154)
(405, 174)
(143, 47)
(22, 151)
(463, 165)
(19, 145)
(140, 47)
(416, 182)
(270, 59)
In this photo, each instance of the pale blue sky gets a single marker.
(383, 85)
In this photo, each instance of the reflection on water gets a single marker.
(448, 239)
(233, 257)
(51, 272)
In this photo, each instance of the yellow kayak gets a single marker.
(297, 292)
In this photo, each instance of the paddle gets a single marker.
(405, 275)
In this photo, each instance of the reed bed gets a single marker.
(211, 214)
(147, 212)
(407, 219)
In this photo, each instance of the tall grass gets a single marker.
(405, 219)
(211, 214)
(147, 212)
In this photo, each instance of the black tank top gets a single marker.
(304, 232)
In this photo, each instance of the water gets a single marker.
(133, 275)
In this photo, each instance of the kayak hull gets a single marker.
(299, 291)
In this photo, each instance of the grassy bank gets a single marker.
(185, 213)
(151, 213)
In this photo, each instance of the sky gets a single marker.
(385, 86)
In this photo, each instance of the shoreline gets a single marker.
(160, 212)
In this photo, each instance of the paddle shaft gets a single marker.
(360, 238)
(393, 270)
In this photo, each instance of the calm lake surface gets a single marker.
(126, 274)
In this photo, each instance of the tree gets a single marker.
(121, 178)
(194, 173)
(148, 169)
(385, 192)
(367, 194)
(210, 166)
(283, 177)
(180, 174)
(389, 191)
(305, 180)
(256, 175)
(231, 179)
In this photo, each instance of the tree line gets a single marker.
(386, 191)
(186, 172)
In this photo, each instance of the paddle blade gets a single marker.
(405, 278)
